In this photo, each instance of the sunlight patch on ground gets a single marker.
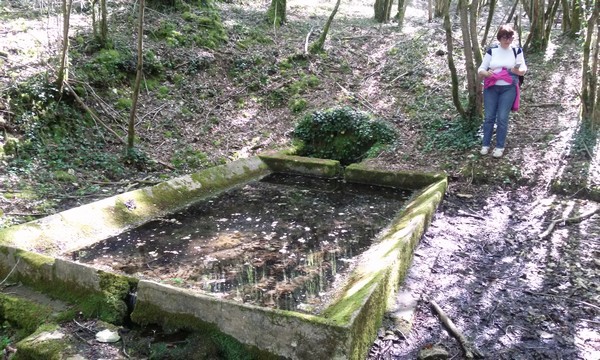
(550, 51)
(33, 44)
(533, 272)
(561, 146)
(584, 337)
(594, 171)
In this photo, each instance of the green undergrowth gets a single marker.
(56, 148)
(199, 24)
(343, 134)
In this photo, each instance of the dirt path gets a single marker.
(512, 294)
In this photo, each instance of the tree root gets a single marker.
(470, 351)
(568, 221)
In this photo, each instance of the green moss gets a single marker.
(33, 259)
(342, 311)
(23, 314)
(44, 344)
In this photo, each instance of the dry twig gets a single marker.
(568, 221)
(10, 273)
(470, 351)
(92, 114)
(306, 42)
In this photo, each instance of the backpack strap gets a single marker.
(489, 50)
(517, 51)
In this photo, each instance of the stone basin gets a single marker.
(53, 253)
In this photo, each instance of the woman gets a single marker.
(500, 70)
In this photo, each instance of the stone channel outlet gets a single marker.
(294, 257)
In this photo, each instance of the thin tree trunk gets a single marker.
(473, 16)
(63, 69)
(318, 45)
(441, 8)
(383, 9)
(451, 66)
(94, 20)
(550, 17)
(566, 16)
(589, 76)
(103, 23)
(276, 14)
(536, 40)
(512, 12)
(472, 81)
(576, 18)
(138, 79)
(401, 12)
(488, 23)
(429, 10)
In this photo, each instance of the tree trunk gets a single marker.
(473, 84)
(276, 14)
(440, 8)
(138, 79)
(589, 76)
(488, 23)
(550, 17)
(103, 24)
(94, 20)
(451, 66)
(512, 12)
(536, 41)
(566, 17)
(429, 10)
(473, 17)
(63, 68)
(576, 18)
(318, 45)
(401, 12)
(383, 10)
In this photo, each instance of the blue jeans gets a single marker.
(497, 102)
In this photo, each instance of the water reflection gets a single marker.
(279, 242)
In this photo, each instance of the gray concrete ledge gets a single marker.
(344, 330)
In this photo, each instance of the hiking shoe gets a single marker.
(485, 150)
(498, 152)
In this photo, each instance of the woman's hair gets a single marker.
(505, 31)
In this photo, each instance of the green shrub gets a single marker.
(297, 104)
(124, 103)
(342, 134)
(189, 158)
(109, 67)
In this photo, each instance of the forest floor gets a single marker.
(513, 294)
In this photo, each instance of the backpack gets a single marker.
(516, 52)
(521, 77)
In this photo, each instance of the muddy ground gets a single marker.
(511, 293)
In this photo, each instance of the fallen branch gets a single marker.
(545, 105)
(564, 298)
(568, 221)
(306, 42)
(92, 114)
(10, 273)
(26, 214)
(470, 351)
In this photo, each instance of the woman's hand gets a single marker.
(516, 70)
(485, 74)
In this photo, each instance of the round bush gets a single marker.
(342, 134)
